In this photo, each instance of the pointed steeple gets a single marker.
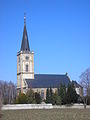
(25, 42)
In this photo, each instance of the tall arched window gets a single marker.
(26, 68)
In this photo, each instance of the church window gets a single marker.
(26, 68)
(19, 60)
(42, 94)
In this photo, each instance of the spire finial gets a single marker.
(24, 18)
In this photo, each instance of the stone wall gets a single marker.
(42, 106)
(75, 106)
(27, 106)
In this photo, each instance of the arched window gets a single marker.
(19, 60)
(26, 68)
(42, 94)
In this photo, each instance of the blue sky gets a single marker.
(58, 32)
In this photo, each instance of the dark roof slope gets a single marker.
(76, 84)
(47, 81)
(25, 43)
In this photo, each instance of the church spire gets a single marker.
(25, 42)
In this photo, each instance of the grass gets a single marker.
(53, 114)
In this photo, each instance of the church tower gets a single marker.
(25, 62)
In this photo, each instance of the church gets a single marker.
(26, 78)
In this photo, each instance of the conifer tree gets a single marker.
(30, 97)
(37, 98)
(21, 99)
(62, 93)
(56, 99)
(71, 95)
(51, 95)
(47, 96)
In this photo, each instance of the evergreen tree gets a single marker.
(62, 93)
(21, 99)
(37, 98)
(71, 95)
(56, 99)
(48, 96)
(30, 97)
(51, 95)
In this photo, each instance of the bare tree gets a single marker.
(11, 92)
(0, 105)
(8, 92)
(0, 101)
(85, 82)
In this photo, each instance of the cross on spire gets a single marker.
(24, 18)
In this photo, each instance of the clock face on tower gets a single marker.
(27, 58)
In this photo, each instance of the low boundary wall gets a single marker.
(42, 106)
(76, 106)
(27, 106)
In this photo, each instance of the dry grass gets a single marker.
(53, 114)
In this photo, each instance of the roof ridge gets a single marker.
(51, 74)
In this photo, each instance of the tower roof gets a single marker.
(25, 42)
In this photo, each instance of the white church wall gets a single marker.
(27, 76)
(18, 81)
(77, 90)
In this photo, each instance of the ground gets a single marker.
(53, 114)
